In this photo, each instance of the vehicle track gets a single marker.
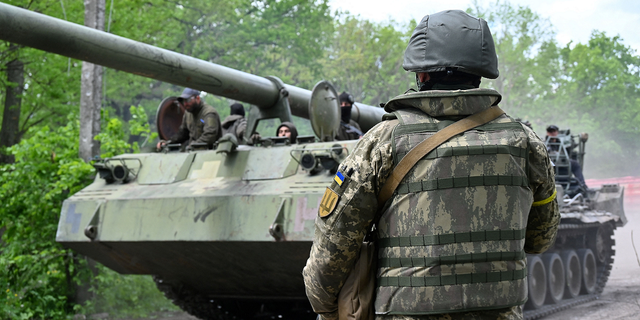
(603, 270)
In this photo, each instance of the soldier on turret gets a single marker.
(235, 123)
(553, 144)
(287, 129)
(349, 129)
(200, 123)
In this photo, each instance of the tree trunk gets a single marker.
(90, 105)
(91, 88)
(9, 134)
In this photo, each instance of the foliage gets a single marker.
(365, 59)
(50, 92)
(267, 37)
(527, 55)
(601, 88)
(39, 274)
(125, 295)
(113, 137)
(593, 87)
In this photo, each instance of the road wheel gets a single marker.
(589, 270)
(555, 277)
(537, 280)
(573, 273)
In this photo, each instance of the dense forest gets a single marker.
(589, 87)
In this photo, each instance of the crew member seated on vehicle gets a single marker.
(349, 129)
(553, 144)
(235, 123)
(287, 129)
(200, 123)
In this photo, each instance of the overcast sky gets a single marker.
(572, 19)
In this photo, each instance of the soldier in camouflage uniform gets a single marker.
(200, 124)
(452, 238)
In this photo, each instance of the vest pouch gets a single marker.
(356, 298)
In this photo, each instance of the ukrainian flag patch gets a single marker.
(339, 178)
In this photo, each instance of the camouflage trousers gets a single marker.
(513, 313)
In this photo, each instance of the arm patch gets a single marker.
(328, 203)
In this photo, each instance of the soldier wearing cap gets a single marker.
(453, 237)
(200, 123)
(349, 129)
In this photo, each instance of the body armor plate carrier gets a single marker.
(452, 238)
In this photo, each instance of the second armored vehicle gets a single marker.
(575, 270)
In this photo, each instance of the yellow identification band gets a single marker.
(545, 201)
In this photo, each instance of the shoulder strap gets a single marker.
(431, 143)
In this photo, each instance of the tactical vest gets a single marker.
(452, 237)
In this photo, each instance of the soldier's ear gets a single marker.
(423, 76)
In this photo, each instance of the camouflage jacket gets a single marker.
(201, 127)
(339, 234)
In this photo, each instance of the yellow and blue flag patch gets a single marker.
(339, 178)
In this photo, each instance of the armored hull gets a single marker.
(234, 229)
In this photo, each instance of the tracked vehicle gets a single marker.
(575, 270)
(226, 232)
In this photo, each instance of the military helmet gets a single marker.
(452, 39)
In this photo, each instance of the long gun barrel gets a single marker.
(79, 42)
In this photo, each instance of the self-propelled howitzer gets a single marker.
(226, 232)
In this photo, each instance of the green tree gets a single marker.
(600, 94)
(591, 87)
(40, 275)
(528, 57)
(281, 38)
(46, 98)
(365, 59)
